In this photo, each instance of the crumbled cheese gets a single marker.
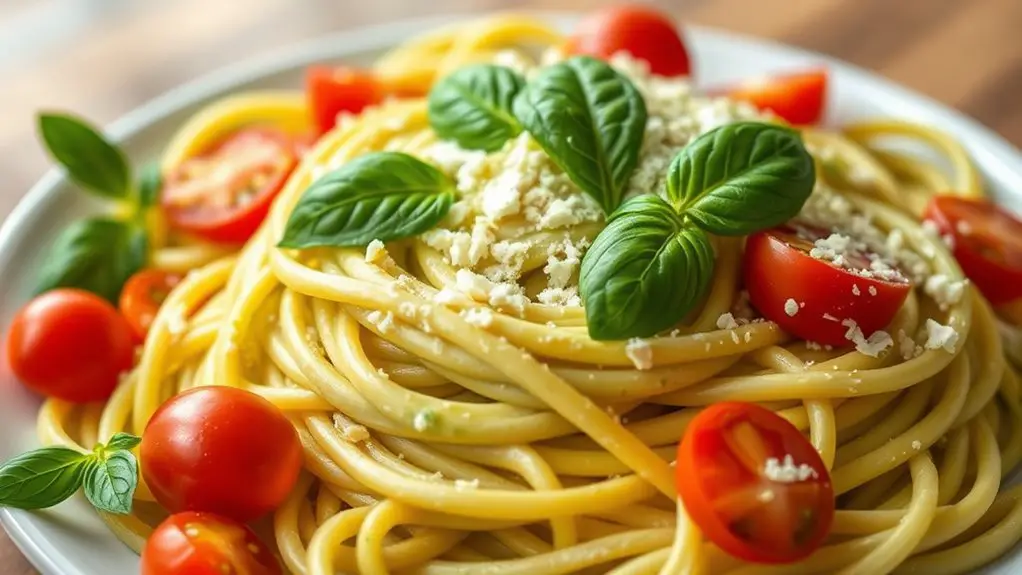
(423, 420)
(872, 290)
(639, 351)
(917, 445)
(383, 321)
(463, 485)
(907, 346)
(791, 307)
(565, 297)
(877, 342)
(375, 252)
(943, 290)
(786, 471)
(508, 297)
(478, 316)
(355, 433)
(726, 321)
(446, 296)
(855, 289)
(940, 336)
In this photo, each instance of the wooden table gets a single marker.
(101, 58)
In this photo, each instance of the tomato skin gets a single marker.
(220, 449)
(798, 98)
(641, 31)
(776, 271)
(142, 296)
(334, 90)
(206, 544)
(987, 244)
(785, 526)
(70, 344)
(230, 224)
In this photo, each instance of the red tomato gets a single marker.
(70, 344)
(754, 484)
(335, 90)
(778, 268)
(224, 194)
(797, 98)
(987, 244)
(142, 296)
(220, 449)
(206, 544)
(641, 31)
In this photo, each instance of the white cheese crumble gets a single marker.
(940, 336)
(791, 307)
(640, 352)
(423, 420)
(786, 471)
(943, 290)
(383, 321)
(464, 485)
(478, 316)
(873, 346)
(375, 252)
(907, 346)
(726, 321)
(917, 445)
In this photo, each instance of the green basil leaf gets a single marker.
(590, 120)
(741, 178)
(41, 478)
(384, 196)
(90, 160)
(97, 255)
(122, 440)
(644, 271)
(110, 481)
(472, 106)
(150, 181)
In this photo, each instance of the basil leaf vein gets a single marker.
(741, 178)
(590, 120)
(97, 255)
(110, 481)
(90, 160)
(644, 271)
(41, 478)
(384, 196)
(472, 106)
(123, 440)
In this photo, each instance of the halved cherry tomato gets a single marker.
(142, 296)
(335, 90)
(70, 344)
(220, 449)
(797, 98)
(224, 194)
(778, 268)
(643, 32)
(206, 544)
(754, 484)
(987, 244)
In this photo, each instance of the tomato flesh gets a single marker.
(206, 544)
(644, 33)
(224, 195)
(220, 449)
(70, 344)
(797, 98)
(754, 484)
(987, 243)
(824, 297)
(334, 90)
(142, 296)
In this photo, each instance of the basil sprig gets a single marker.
(653, 262)
(590, 121)
(384, 196)
(97, 254)
(472, 106)
(47, 476)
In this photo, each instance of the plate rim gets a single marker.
(1004, 157)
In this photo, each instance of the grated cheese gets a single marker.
(640, 352)
(791, 307)
(375, 252)
(873, 346)
(726, 321)
(940, 336)
(786, 471)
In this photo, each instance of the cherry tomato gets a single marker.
(224, 194)
(814, 299)
(335, 90)
(987, 244)
(643, 32)
(70, 344)
(206, 544)
(754, 484)
(142, 297)
(220, 449)
(797, 98)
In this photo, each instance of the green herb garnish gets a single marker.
(472, 106)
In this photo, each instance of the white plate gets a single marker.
(70, 539)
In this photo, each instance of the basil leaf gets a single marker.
(644, 271)
(741, 177)
(41, 478)
(97, 255)
(90, 160)
(150, 182)
(590, 121)
(110, 481)
(123, 440)
(384, 196)
(472, 106)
